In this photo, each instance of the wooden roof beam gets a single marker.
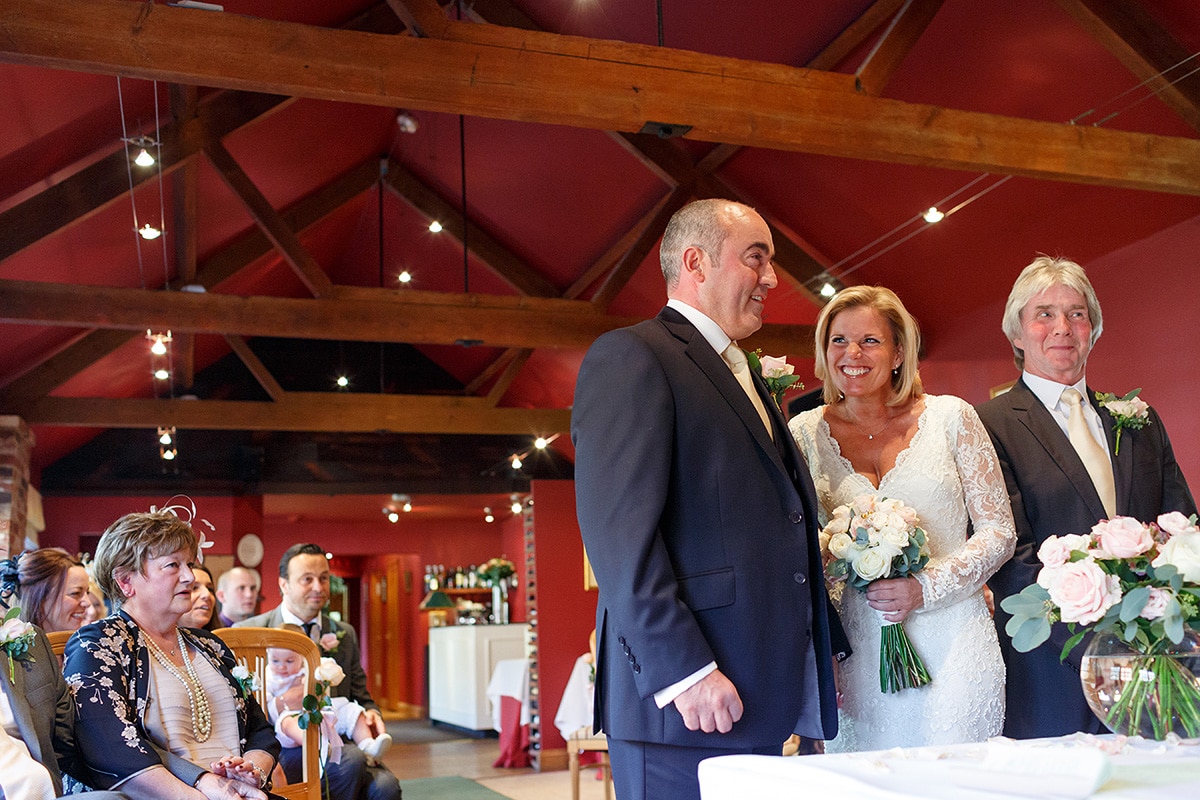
(540, 77)
(304, 411)
(885, 58)
(268, 220)
(498, 258)
(1145, 48)
(350, 313)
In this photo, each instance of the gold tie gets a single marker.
(736, 359)
(1090, 452)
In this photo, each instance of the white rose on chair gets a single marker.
(329, 672)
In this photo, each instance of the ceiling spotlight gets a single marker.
(342, 382)
(933, 215)
(144, 159)
(165, 435)
(435, 227)
(828, 289)
(148, 231)
(541, 442)
(487, 515)
(168, 454)
(162, 374)
(404, 277)
(406, 122)
(516, 462)
(407, 507)
(158, 342)
(516, 505)
(393, 517)
(329, 556)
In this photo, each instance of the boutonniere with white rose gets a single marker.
(247, 681)
(776, 372)
(1129, 411)
(329, 642)
(16, 637)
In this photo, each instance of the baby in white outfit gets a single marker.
(286, 678)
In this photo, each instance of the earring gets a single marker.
(896, 371)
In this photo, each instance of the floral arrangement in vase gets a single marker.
(1135, 581)
(495, 570)
(869, 539)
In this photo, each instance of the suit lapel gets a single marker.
(1122, 463)
(1034, 416)
(20, 706)
(714, 367)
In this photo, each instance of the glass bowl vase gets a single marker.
(1148, 694)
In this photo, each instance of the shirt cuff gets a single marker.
(664, 697)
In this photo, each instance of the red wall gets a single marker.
(566, 613)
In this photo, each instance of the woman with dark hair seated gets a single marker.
(50, 586)
(158, 711)
(203, 613)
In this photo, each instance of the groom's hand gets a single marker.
(711, 705)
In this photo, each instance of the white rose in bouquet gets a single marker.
(1183, 553)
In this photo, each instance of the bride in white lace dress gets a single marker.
(880, 434)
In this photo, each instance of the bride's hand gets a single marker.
(895, 598)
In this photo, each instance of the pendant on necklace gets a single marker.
(871, 436)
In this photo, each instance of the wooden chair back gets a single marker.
(250, 645)
(58, 642)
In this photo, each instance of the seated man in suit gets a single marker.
(304, 585)
(1056, 445)
(37, 726)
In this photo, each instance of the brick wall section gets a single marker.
(16, 442)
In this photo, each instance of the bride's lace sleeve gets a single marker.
(951, 579)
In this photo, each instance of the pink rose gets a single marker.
(1082, 591)
(1156, 605)
(776, 367)
(1176, 524)
(329, 642)
(1056, 550)
(1122, 537)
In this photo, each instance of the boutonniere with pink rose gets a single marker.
(329, 642)
(16, 637)
(776, 372)
(1139, 582)
(1129, 411)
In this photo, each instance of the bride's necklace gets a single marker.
(870, 434)
(197, 699)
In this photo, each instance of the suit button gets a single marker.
(621, 639)
(800, 577)
(795, 517)
(637, 669)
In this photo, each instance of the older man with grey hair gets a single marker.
(1057, 448)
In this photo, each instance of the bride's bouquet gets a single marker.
(869, 539)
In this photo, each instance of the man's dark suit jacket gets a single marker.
(346, 655)
(1053, 495)
(42, 708)
(702, 534)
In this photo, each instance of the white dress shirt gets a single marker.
(1050, 394)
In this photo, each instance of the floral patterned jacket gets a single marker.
(108, 669)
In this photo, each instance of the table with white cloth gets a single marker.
(508, 693)
(1078, 766)
(575, 707)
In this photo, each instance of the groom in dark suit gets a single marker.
(1058, 487)
(304, 580)
(699, 517)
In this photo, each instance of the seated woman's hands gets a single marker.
(217, 787)
(244, 769)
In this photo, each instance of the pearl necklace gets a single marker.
(197, 699)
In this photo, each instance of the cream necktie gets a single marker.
(736, 359)
(1090, 452)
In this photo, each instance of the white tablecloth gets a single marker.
(575, 707)
(999, 770)
(510, 678)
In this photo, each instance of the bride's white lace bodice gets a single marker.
(948, 474)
